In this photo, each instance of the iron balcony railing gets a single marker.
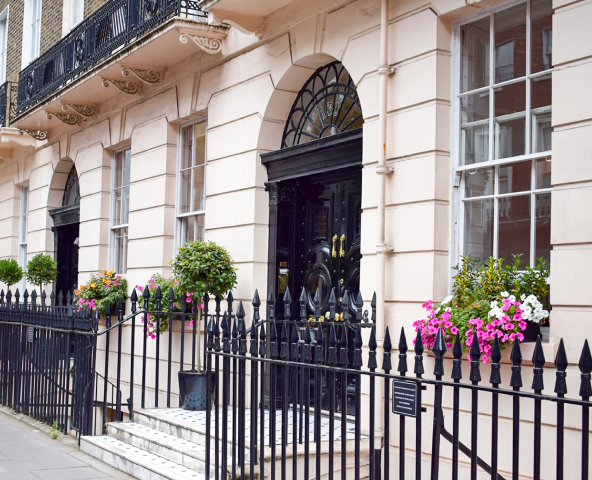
(8, 92)
(112, 27)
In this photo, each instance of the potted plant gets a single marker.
(41, 270)
(492, 300)
(10, 272)
(201, 267)
(101, 290)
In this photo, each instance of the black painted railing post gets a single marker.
(319, 360)
(372, 366)
(273, 355)
(331, 362)
(242, 351)
(156, 326)
(306, 358)
(294, 358)
(516, 384)
(119, 346)
(439, 349)
(262, 354)
(234, 349)
(216, 378)
(134, 303)
(146, 296)
(171, 316)
(495, 379)
(585, 365)
(456, 377)
(357, 364)
(475, 378)
(538, 360)
(284, 394)
(418, 370)
(561, 364)
(253, 351)
(209, 335)
(225, 392)
(402, 369)
(106, 371)
(343, 363)
(387, 366)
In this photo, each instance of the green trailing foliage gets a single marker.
(10, 272)
(41, 270)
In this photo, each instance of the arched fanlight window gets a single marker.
(72, 189)
(328, 104)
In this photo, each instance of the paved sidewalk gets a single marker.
(27, 452)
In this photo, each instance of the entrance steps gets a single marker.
(169, 444)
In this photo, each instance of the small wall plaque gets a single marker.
(405, 398)
(30, 334)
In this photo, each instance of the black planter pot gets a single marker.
(532, 332)
(193, 388)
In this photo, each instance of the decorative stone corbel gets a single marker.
(36, 134)
(247, 24)
(207, 44)
(125, 86)
(67, 118)
(147, 76)
(82, 110)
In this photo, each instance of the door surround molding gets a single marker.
(324, 155)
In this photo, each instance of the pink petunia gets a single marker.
(505, 338)
(454, 330)
(517, 317)
(520, 336)
(512, 337)
(522, 325)
(509, 326)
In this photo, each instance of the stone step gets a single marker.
(169, 447)
(135, 461)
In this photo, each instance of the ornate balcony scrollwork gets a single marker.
(67, 118)
(207, 44)
(149, 77)
(36, 134)
(125, 86)
(82, 110)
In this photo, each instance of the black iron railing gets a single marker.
(115, 25)
(315, 376)
(8, 99)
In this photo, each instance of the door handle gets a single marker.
(333, 252)
(341, 249)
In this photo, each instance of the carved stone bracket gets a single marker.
(125, 86)
(82, 110)
(146, 76)
(67, 118)
(207, 44)
(36, 134)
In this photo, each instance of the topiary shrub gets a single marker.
(41, 270)
(10, 272)
(204, 267)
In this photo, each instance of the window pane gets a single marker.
(514, 227)
(540, 94)
(510, 120)
(510, 43)
(474, 122)
(185, 191)
(192, 228)
(479, 182)
(118, 170)
(541, 35)
(543, 227)
(479, 229)
(117, 207)
(125, 205)
(120, 262)
(200, 143)
(127, 155)
(198, 188)
(475, 55)
(186, 146)
(543, 173)
(515, 177)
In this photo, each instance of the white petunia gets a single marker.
(523, 297)
(493, 304)
(505, 294)
(512, 298)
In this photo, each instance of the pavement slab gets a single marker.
(27, 452)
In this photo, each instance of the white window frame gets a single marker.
(23, 232)
(179, 234)
(3, 42)
(113, 228)
(457, 182)
(31, 31)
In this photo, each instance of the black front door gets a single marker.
(328, 217)
(67, 257)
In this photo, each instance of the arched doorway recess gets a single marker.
(66, 229)
(315, 186)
